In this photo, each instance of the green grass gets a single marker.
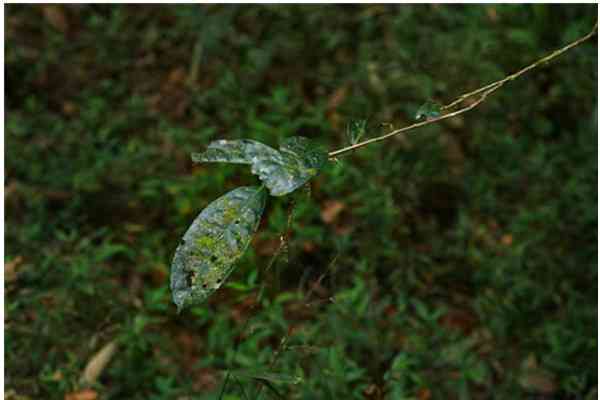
(462, 264)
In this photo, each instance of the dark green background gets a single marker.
(463, 262)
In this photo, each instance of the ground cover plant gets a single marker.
(459, 261)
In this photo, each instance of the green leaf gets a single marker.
(282, 172)
(430, 109)
(217, 238)
(356, 130)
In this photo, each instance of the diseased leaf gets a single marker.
(243, 151)
(282, 172)
(217, 238)
(312, 156)
(430, 109)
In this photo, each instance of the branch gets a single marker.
(483, 93)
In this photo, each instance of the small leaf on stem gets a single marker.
(429, 110)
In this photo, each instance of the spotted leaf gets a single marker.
(217, 238)
(243, 151)
(282, 172)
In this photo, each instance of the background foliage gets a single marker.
(457, 262)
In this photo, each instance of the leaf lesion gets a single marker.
(216, 239)
(282, 171)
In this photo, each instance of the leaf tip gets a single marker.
(196, 157)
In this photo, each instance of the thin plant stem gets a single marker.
(496, 85)
(483, 93)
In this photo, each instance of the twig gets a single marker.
(483, 92)
(496, 85)
(224, 385)
(241, 387)
(273, 361)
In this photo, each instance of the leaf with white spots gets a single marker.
(217, 238)
(243, 151)
(298, 160)
(311, 155)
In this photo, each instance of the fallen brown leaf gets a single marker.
(330, 210)
(424, 394)
(56, 17)
(539, 381)
(309, 247)
(266, 247)
(177, 76)
(461, 320)
(372, 392)
(98, 362)
(69, 108)
(57, 376)
(492, 14)
(10, 268)
(507, 239)
(207, 379)
(343, 229)
(10, 189)
(337, 97)
(85, 394)
(536, 379)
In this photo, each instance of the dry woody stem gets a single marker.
(483, 93)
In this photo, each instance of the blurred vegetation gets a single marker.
(459, 262)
